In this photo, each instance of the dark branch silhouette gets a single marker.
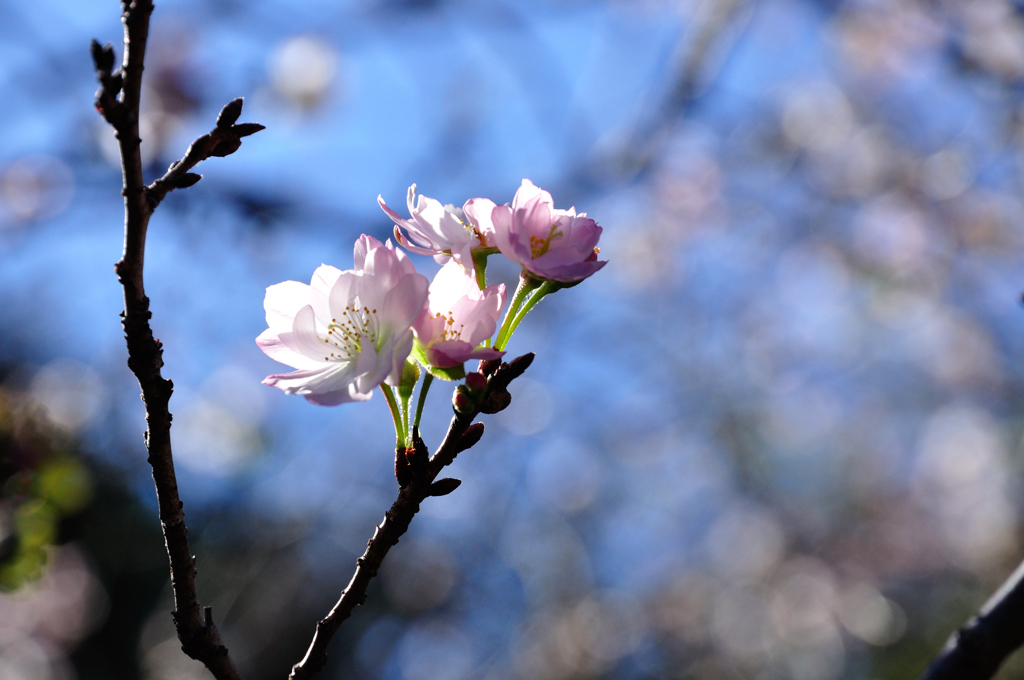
(117, 100)
(416, 474)
(976, 651)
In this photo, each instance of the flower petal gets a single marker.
(283, 301)
(277, 348)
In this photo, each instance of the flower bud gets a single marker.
(476, 381)
(461, 401)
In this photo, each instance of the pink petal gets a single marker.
(405, 301)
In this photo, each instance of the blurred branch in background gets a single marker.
(698, 57)
(118, 100)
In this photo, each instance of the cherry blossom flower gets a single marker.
(443, 230)
(347, 331)
(458, 318)
(557, 245)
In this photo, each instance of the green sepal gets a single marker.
(410, 376)
(452, 373)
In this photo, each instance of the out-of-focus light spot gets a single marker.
(688, 191)
(961, 476)
(684, 608)
(741, 624)
(302, 69)
(952, 348)
(35, 188)
(803, 602)
(860, 167)
(891, 230)
(565, 474)
(212, 440)
(66, 483)
(543, 551)
(583, 640)
(434, 650)
(823, 660)
(745, 542)
(532, 407)
(995, 37)
(72, 393)
(59, 610)
(882, 40)
(817, 116)
(218, 433)
(240, 391)
(813, 310)
(870, 616)
(419, 576)
(983, 220)
(945, 174)
(643, 259)
(801, 418)
(22, 658)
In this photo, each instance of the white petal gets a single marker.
(283, 301)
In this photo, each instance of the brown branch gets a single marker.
(416, 474)
(976, 651)
(117, 100)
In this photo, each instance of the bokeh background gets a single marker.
(777, 437)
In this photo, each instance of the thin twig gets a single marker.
(117, 100)
(976, 651)
(416, 474)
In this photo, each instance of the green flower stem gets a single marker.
(427, 379)
(480, 265)
(545, 289)
(396, 414)
(526, 286)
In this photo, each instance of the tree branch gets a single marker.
(117, 100)
(976, 651)
(416, 474)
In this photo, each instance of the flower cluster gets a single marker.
(348, 332)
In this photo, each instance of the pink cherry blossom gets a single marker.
(347, 331)
(458, 318)
(557, 245)
(443, 230)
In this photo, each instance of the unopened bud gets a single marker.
(443, 487)
(461, 401)
(226, 147)
(229, 114)
(476, 381)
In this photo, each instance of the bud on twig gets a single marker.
(186, 180)
(476, 381)
(518, 366)
(443, 487)
(229, 114)
(102, 57)
(226, 148)
(246, 129)
(496, 400)
(469, 438)
(461, 401)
